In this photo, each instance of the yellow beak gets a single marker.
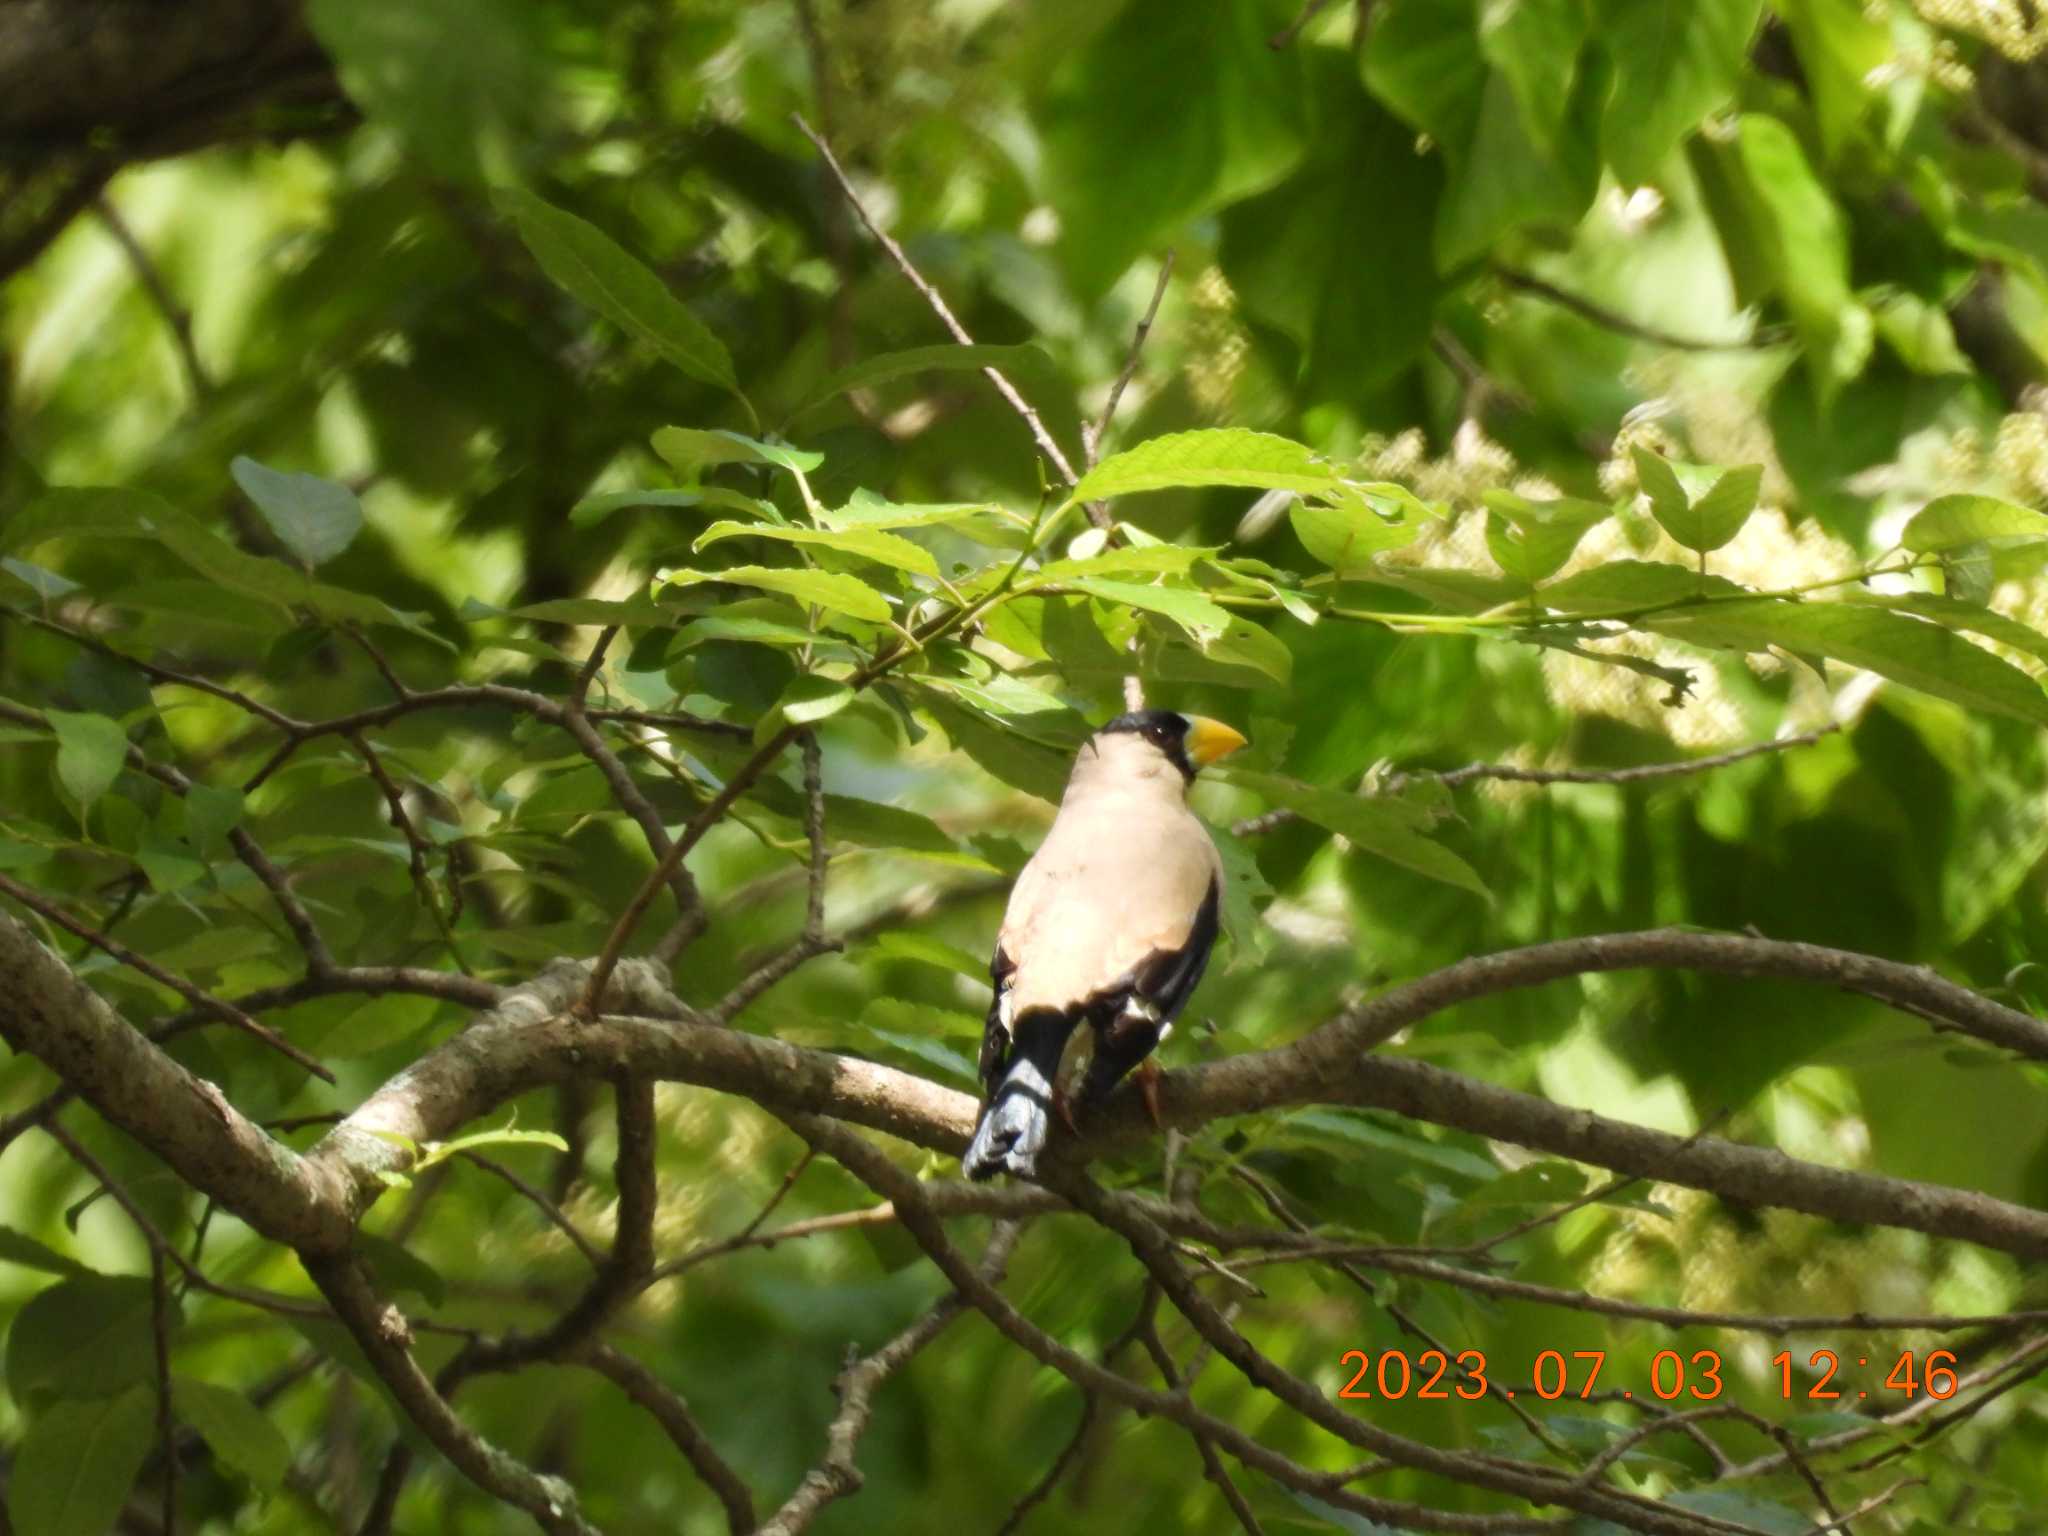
(1208, 740)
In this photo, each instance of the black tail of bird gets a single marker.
(1015, 1120)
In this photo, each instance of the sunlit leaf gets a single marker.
(884, 366)
(1217, 456)
(1919, 654)
(824, 589)
(866, 543)
(1949, 521)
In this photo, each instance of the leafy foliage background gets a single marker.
(1554, 327)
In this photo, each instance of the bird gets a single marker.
(1109, 924)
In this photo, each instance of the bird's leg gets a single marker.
(1063, 1105)
(1148, 1075)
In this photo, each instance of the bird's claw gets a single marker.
(1148, 1075)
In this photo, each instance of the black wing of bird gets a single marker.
(995, 1034)
(1144, 1007)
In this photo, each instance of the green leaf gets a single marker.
(1719, 515)
(1379, 826)
(1293, 258)
(688, 449)
(580, 258)
(592, 510)
(19, 1249)
(927, 950)
(1675, 61)
(1197, 614)
(1347, 527)
(867, 510)
(1245, 644)
(1956, 613)
(1704, 522)
(1535, 45)
(1135, 81)
(74, 1468)
(1216, 456)
(1919, 654)
(211, 813)
(1144, 560)
(892, 365)
(314, 518)
(1806, 243)
(461, 80)
(1625, 586)
(90, 1336)
(1918, 332)
(824, 589)
(864, 543)
(91, 752)
(1530, 540)
(239, 1433)
(398, 1268)
(1948, 521)
(808, 699)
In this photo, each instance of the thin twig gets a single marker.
(813, 941)
(176, 317)
(166, 1420)
(556, 1216)
(1586, 309)
(1285, 37)
(668, 1409)
(1455, 778)
(837, 1474)
(1046, 443)
(1091, 437)
(226, 1012)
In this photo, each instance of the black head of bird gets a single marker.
(1109, 926)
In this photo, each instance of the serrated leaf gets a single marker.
(863, 543)
(90, 1336)
(1199, 615)
(314, 518)
(580, 258)
(1949, 521)
(867, 510)
(91, 752)
(1387, 828)
(1958, 614)
(687, 449)
(239, 1433)
(1919, 654)
(1217, 456)
(1150, 560)
(74, 1468)
(825, 589)
(892, 365)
